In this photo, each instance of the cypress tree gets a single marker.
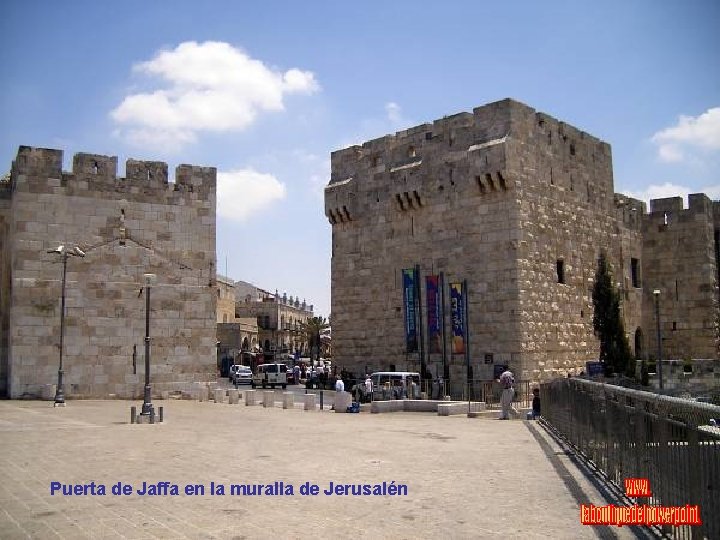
(607, 324)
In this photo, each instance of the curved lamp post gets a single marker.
(64, 252)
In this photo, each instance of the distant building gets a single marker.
(280, 320)
(520, 205)
(225, 300)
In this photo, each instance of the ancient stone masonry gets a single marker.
(127, 227)
(519, 204)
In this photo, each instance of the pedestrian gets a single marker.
(535, 412)
(507, 381)
(368, 388)
(339, 385)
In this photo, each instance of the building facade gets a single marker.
(127, 227)
(280, 321)
(519, 205)
(225, 300)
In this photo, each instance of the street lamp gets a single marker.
(64, 252)
(147, 408)
(656, 293)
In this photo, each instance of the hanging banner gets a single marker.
(457, 314)
(433, 313)
(409, 288)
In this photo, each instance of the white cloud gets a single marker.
(244, 192)
(210, 86)
(393, 112)
(662, 191)
(690, 133)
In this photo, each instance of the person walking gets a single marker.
(368, 388)
(507, 381)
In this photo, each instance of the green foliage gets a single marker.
(608, 325)
(312, 330)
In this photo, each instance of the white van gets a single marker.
(271, 375)
(395, 384)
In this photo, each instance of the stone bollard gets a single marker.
(219, 395)
(342, 401)
(165, 395)
(133, 414)
(162, 413)
(232, 397)
(269, 399)
(251, 397)
(288, 400)
(309, 402)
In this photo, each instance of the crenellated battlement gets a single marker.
(39, 169)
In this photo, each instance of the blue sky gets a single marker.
(264, 91)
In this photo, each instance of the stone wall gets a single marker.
(516, 202)
(680, 255)
(127, 227)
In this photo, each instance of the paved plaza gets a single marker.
(465, 478)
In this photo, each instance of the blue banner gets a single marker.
(409, 288)
(457, 314)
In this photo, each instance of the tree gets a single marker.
(607, 324)
(312, 330)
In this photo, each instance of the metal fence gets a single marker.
(628, 433)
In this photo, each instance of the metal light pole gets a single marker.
(147, 408)
(64, 252)
(656, 293)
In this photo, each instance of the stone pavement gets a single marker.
(465, 478)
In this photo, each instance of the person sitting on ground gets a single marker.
(535, 412)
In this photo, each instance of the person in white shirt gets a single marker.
(339, 385)
(507, 380)
(368, 387)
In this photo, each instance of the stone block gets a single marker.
(309, 402)
(233, 396)
(269, 398)
(251, 397)
(219, 395)
(342, 401)
(386, 406)
(288, 400)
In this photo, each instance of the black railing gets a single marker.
(628, 433)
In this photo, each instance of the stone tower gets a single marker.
(512, 200)
(127, 227)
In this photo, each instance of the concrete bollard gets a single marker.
(251, 397)
(232, 397)
(342, 401)
(269, 399)
(165, 395)
(133, 414)
(219, 395)
(288, 400)
(309, 402)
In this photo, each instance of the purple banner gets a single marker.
(433, 313)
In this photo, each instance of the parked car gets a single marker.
(232, 371)
(243, 376)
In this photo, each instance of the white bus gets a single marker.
(395, 384)
(271, 375)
